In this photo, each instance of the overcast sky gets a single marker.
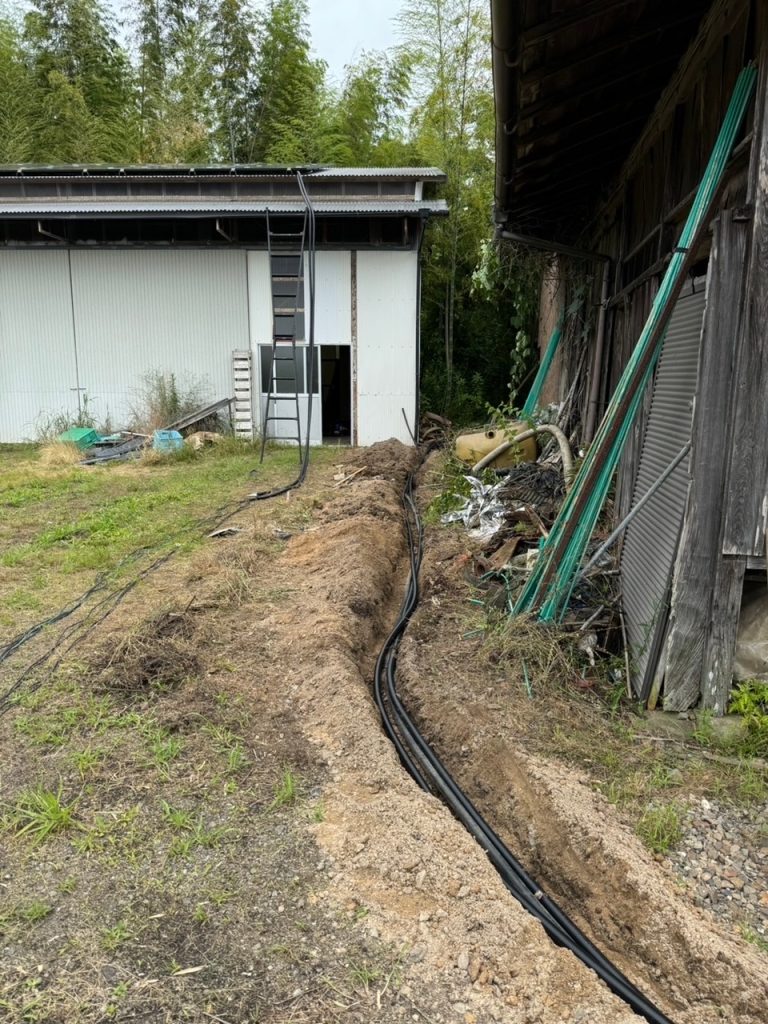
(342, 29)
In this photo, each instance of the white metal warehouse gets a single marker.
(108, 275)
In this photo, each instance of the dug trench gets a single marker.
(381, 907)
(399, 854)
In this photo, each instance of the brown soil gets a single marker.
(364, 900)
(567, 836)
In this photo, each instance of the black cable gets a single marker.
(430, 773)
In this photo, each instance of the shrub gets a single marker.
(162, 399)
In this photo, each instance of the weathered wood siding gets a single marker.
(700, 544)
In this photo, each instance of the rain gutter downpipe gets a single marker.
(597, 363)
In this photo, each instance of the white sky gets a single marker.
(342, 29)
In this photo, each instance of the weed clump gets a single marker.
(157, 658)
(750, 700)
(54, 454)
(38, 813)
(660, 827)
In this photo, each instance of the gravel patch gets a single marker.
(724, 860)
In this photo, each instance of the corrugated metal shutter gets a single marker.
(651, 540)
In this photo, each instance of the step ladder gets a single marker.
(242, 383)
(286, 265)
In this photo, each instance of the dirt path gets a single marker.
(361, 899)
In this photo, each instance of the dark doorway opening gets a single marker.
(337, 393)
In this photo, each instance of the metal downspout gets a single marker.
(417, 410)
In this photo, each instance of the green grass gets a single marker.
(287, 790)
(33, 912)
(38, 813)
(60, 525)
(660, 827)
(754, 938)
(116, 936)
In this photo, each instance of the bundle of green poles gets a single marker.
(551, 582)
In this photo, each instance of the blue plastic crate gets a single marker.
(167, 440)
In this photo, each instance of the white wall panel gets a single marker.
(386, 344)
(37, 355)
(259, 298)
(333, 298)
(139, 311)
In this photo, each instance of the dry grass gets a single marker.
(59, 453)
(159, 655)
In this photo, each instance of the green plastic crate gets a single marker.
(83, 437)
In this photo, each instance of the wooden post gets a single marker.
(551, 306)
(698, 560)
(745, 525)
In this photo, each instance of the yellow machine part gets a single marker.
(470, 448)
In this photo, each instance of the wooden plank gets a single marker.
(721, 644)
(748, 479)
(699, 551)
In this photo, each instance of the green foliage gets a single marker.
(288, 87)
(750, 700)
(38, 813)
(660, 827)
(162, 399)
(287, 790)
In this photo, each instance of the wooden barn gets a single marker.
(608, 117)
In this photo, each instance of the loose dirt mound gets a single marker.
(397, 854)
(567, 836)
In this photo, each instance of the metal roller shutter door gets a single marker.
(651, 540)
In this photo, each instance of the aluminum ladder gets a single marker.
(286, 266)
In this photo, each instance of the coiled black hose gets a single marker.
(429, 772)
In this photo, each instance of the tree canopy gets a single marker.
(186, 81)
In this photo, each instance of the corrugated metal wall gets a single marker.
(651, 541)
(386, 337)
(137, 311)
(140, 311)
(37, 356)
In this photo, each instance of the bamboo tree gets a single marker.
(233, 32)
(449, 46)
(289, 87)
(20, 113)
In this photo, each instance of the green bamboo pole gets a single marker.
(532, 401)
(551, 581)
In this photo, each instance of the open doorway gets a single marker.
(337, 393)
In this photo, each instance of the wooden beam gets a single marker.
(584, 143)
(544, 30)
(745, 526)
(619, 40)
(717, 672)
(569, 95)
(546, 131)
(699, 557)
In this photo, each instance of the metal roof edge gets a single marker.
(326, 171)
(199, 208)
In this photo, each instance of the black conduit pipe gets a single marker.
(428, 771)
